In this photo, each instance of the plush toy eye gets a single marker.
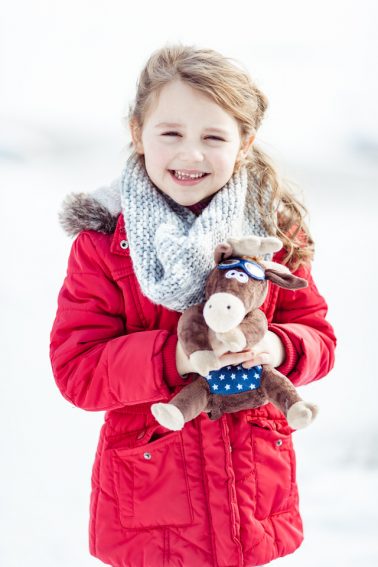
(235, 274)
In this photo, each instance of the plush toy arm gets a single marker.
(192, 330)
(254, 326)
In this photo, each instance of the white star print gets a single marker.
(227, 386)
(239, 367)
(233, 376)
(256, 375)
(252, 386)
(221, 377)
(215, 387)
(240, 387)
(208, 377)
(245, 376)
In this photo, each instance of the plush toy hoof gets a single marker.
(301, 414)
(168, 416)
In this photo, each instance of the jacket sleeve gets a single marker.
(300, 322)
(96, 364)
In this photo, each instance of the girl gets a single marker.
(218, 493)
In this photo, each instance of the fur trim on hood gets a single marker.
(97, 211)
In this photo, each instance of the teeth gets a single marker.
(182, 175)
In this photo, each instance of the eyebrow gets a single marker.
(176, 125)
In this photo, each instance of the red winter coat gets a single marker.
(216, 494)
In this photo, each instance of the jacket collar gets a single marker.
(120, 244)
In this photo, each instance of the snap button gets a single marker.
(147, 456)
(279, 442)
(124, 244)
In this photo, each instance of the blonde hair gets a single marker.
(230, 86)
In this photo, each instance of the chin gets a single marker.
(186, 201)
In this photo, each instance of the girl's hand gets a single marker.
(270, 350)
(184, 365)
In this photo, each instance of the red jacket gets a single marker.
(216, 494)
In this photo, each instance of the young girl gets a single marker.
(218, 493)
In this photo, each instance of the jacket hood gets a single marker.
(98, 210)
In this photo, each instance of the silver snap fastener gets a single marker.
(124, 244)
(147, 456)
(279, 442)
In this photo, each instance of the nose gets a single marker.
(190, 153)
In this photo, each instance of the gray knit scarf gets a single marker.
(171, 248)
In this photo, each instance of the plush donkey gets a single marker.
(231, 321)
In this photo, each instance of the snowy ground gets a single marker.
(48, 445)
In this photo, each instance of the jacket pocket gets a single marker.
(151, 484)
(274, 463)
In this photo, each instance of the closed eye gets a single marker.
(177, 134)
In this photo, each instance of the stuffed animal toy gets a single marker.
(230, 321)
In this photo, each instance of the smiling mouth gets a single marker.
(188, 176)
(184, 175)
(187, 180)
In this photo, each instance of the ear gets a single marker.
(246, 144)
(136, 135)
(285, 279)
(222, 251)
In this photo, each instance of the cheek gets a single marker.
(157, 155)
(225, 159)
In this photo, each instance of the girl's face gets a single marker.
(186, 132)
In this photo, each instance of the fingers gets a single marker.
(258, 359)
(234, 358)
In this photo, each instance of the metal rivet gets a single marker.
(147, 456)
(279, 442)
(124, 244)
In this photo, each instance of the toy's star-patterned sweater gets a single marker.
(234, 380)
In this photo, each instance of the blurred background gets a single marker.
(67, 74)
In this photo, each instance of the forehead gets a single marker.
(179, 104)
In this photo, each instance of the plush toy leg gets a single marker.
(186, 405)
(284, 395)
(168, 416)
(301, 414)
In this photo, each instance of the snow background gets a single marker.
(67, 73)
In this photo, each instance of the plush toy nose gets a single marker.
(223, 312)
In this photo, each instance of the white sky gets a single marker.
(76, 62)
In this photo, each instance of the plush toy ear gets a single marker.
(282, 276)
(222, 251)
(255, 245)
(285, 279)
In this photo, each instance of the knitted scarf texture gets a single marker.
(171, 248)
